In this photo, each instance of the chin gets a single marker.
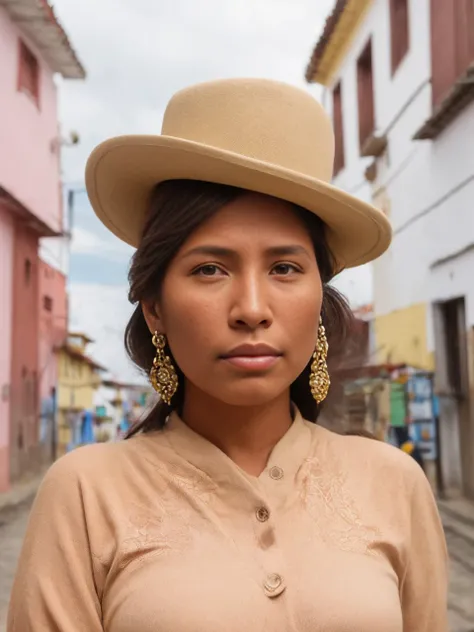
(249, 394)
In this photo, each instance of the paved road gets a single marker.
(461, 597)
(461, 602)
(12, 529)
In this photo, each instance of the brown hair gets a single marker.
(177, 208)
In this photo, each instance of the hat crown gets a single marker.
(264, 120)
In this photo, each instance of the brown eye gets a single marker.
(284, 269)
(208, 270)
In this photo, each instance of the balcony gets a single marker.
(459, 97)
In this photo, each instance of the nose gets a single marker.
(250, 305)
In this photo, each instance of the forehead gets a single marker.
(256, 218)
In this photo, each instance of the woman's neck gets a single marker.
(246, 434)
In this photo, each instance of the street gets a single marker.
(12, 529)
(461, 548)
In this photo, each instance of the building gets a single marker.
(398, 79)
(79, 377)
(33, 49)
(115, 401)
(53, 316)
(348, 363)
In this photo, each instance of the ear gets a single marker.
(152, 315)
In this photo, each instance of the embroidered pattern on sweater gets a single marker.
(168, 526)
(334, 513)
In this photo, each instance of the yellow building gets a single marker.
(401, 338)
(78, 380)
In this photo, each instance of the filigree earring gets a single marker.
(319, 377)
(163, 375)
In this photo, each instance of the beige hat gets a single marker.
(256, 134)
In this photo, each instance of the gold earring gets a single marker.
(163, 374)
(319, 377)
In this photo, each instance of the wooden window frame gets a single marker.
(449, 64)
(338, 124)
(28, 85)
(399, 31)
(27, 271)
(47, 303)
(365, 93)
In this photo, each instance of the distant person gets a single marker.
(125, 424)
(229, 508)
(407, 445)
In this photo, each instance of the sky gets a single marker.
(137, 54)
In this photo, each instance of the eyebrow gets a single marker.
(275, 251)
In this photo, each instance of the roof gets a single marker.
(74, 352)
(369, 371)
(330, 26)
(35, 223)
(338, 32)
(78, 334)
(112, 383)
(38, 21)
(364, 312)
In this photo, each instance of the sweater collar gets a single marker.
(283, 464)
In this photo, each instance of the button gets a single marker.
(262, 514)
(276, 473)
(273, 585)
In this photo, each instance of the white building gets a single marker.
(399, 82)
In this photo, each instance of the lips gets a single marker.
(248, 357)
(252, 351)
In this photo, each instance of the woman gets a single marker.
(230, 508)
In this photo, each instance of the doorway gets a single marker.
(452, 388)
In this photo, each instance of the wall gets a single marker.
(6, 288)
(53, 325)
(408, 274)
(78, 382)
(417, 176)
(24, 425)
(76, 388)
(26, 133)
(391, 95)
(52, 333)
(402, 337)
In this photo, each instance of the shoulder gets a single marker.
(367, 460)
(105, 464)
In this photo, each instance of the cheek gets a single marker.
(302, 322)
(190, 324)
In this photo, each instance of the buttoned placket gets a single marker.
(269, 554)
(260, 498)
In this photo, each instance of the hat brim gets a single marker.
(122, 172)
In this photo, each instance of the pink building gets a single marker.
(33, 48)
(53, 319)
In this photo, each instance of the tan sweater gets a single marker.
(164, 533)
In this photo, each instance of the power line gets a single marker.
(435, 205)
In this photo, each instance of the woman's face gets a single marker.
(240, 302)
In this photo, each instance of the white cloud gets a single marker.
(86, 242)
(102, 312)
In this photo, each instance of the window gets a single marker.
(365, 94)
(452, 25)
(28, 73)
(28, 267)
(47, 303)
(399, 31)
(338, 128)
